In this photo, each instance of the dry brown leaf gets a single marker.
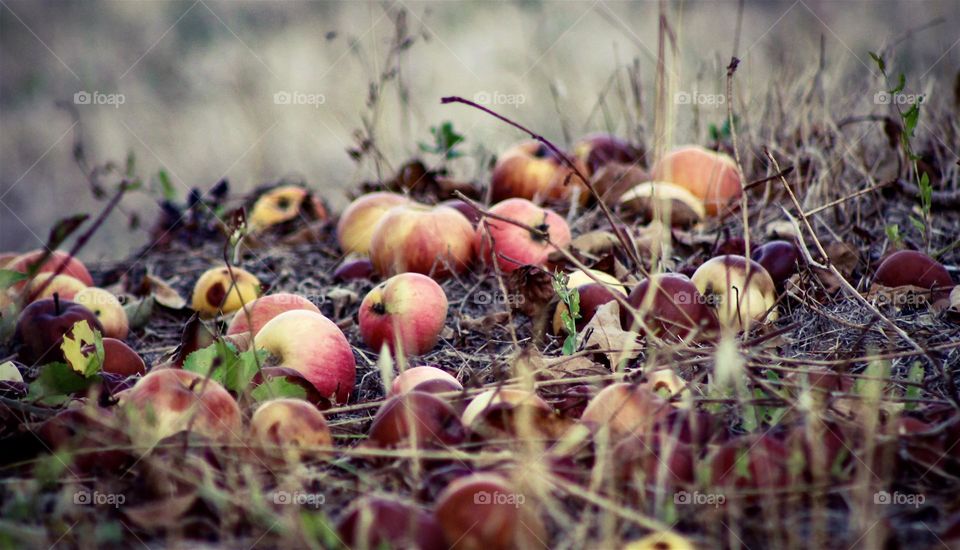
(485, 323)
(572, 367)
(595, 243)
(164, 294)
(604, 333)
(843, 256)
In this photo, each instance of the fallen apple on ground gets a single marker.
(108, 310)
(512, 246)
(426, 379)
(530, 170)
(216, 293)
(45, 285)
(675, 309)
(406, 313)
(258, 313)
(599, 149)
(356, 225)
(119, 358)
(625, 410)
(663, 201)
(377, 522)
(743, 291)
(314, 346)
(710, 176)
(42, 324)
(416, 419)
(288, 429)
(73, 267)
(435, 240)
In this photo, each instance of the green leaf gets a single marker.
(918, 224)
(167, 190)
(893, 233)
(56, 383)
(879, 61)
(63, 229)
(8, 278)
(926, 194)
(278, 387)
(910, 119)
(230, 368)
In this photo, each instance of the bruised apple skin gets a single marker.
(512, 246)
(435, 241)
(288, 428)
(168, 401)
(314, 346)
(356, 225)
(712, 177)
(406, 313)
(530, 170)
(259, 312)
(215, 292)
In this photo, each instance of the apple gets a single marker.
(43, 323)
(88, 439)
(377, 522)
(56, 259)
(6, 258)
(599, 149)
(661, 540)
(909, 267)
(350, 269)
(712, 177)
(282, 204)
(468, 211)
(530, 170)
(625, 410)
(665, 383)
(356, 225)
(663, 201)
(614, 179)
(512, 246)
(676, 309)
(168, 401)
(406, 312)
(215, 292)
(485, 511)
(592, 296)
(750, 461)
(426, 379)
(502, 409)
(779, 258)
(288, 428)
(743, 291)
(45, 285)
(435, 240)
(257, 313)
(119, 358)
(658, 460)
(314, 346)
(416, 418)
(108, 310)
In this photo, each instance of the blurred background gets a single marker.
(256, 91)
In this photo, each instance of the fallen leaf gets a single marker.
(485, 323)
(83, 349)
(161, 514)
(604, 333)
(164, 294)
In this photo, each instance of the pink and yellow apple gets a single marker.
(288, 428)
(530, 170)
(406, 312)
(168, 401)
(45, 285)
(314, 346)
(513, 246)
(108, 310)
(72, 266)
(435, 240)
(743, 291)
(356, 225)
(426, 379)
(711, 176)
(259, 312)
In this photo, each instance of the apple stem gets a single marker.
(56, 303)
(631, 251)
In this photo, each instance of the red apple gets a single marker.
(529, 170)
(426, 379)
(909, 267)
(407, 311)
(54, 261)
(358, 268)
(258, 312)
(430, 240)
(779, 258)
(713, 177)
(417, 418)
(356, 225)
(675, 310)
(314, 346)
(750, 461)
(119, 358)
(168, 401)
(43, 323)
(599, 149)
(512, 246)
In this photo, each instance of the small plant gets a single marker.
(445, 141)
(570, 297)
